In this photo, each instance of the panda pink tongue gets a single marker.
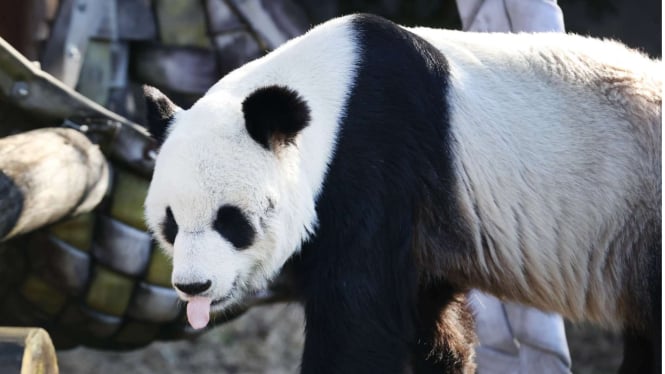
(198, 312)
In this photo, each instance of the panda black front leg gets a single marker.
(360, 302)
(350, 333)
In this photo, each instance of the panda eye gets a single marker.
(169, 227)
(232, 224)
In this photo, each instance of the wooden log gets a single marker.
(26, 350)
(48, 174)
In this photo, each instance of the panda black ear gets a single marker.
(274, 115)
(159, 112)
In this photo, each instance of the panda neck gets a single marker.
(328, 57)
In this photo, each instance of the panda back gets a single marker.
(557, 143)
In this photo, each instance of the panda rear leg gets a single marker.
(640, 354)
(642, 347)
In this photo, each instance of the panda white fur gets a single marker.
(401, 166)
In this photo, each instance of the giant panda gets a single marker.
(401, 167)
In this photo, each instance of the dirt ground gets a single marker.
(270, 339)
(264, 340)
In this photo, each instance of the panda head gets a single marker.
(226, 192)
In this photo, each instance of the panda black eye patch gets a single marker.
(169, 227)
(234, 226)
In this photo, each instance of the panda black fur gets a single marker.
(400, 167)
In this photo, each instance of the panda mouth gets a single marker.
(228, 295)
(221, 300)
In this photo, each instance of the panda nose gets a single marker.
(193, 288)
